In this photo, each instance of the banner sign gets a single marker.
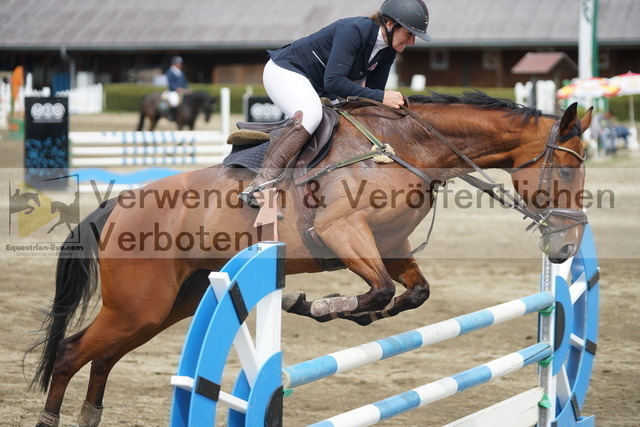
(46, 141)
(261, 109)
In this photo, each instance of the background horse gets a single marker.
(186, 113)
(154, 255)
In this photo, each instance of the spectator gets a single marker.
(608, 131)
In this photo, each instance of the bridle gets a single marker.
(578, 216)
(490, 186)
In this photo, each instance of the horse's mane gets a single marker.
(480, 100)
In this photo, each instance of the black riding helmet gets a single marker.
(411, 14)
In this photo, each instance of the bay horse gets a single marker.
(186, 113)
(153, 247)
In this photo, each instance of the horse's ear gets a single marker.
(585, 122)
(569, 119)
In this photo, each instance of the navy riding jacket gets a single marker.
(176, 81)
(336, 59)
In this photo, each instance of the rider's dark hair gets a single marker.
(377, 17)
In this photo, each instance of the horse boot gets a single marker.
(284, 146)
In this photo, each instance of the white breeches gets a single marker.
(173, 98)
(291, 92)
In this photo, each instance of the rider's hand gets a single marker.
(393, 99)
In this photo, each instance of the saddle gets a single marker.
(251, 141)
(250, 144)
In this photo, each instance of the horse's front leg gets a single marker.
(406, 272)
(153, 121)
(54, 226)
(352, 241)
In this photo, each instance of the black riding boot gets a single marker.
(172, 113)
(284, 146)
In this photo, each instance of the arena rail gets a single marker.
(567, 324)
(99, 156)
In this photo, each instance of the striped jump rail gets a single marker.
(104, 149)
(355, 357)
(437, 390)
(567, 334)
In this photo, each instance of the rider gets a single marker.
(350, 57)
(178, 85)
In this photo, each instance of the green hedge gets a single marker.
(126, 96)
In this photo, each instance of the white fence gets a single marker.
(545, 95)
(85, 100)
(5, 104)
(82, 100)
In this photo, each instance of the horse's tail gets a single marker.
(76, 283)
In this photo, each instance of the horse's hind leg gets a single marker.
(185, 305)
(129, 310)
(353, 242)
(107, 332)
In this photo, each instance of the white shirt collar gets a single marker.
(381, 43)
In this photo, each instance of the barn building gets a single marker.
(475, 43)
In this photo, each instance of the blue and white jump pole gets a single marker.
(568, 324)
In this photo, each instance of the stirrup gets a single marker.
(249, 199)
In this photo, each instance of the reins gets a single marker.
(490, 186)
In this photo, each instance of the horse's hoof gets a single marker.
(293, 300)
(90, 415)
(362, 319)
(48, 420)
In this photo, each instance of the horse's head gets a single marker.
(549, 176)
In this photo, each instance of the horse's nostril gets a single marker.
(568, 250)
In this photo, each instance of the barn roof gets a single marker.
(249, 24)
(543, 63)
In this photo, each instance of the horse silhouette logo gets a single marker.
(27, 202)
(69, 214)
(33, 210)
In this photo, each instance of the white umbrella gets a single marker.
(629, 84)
(588, 88)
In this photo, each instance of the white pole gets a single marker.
(585, 41)
(225, 110)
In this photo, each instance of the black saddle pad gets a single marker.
(249, 157)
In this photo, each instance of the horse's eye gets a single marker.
(566, 172)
